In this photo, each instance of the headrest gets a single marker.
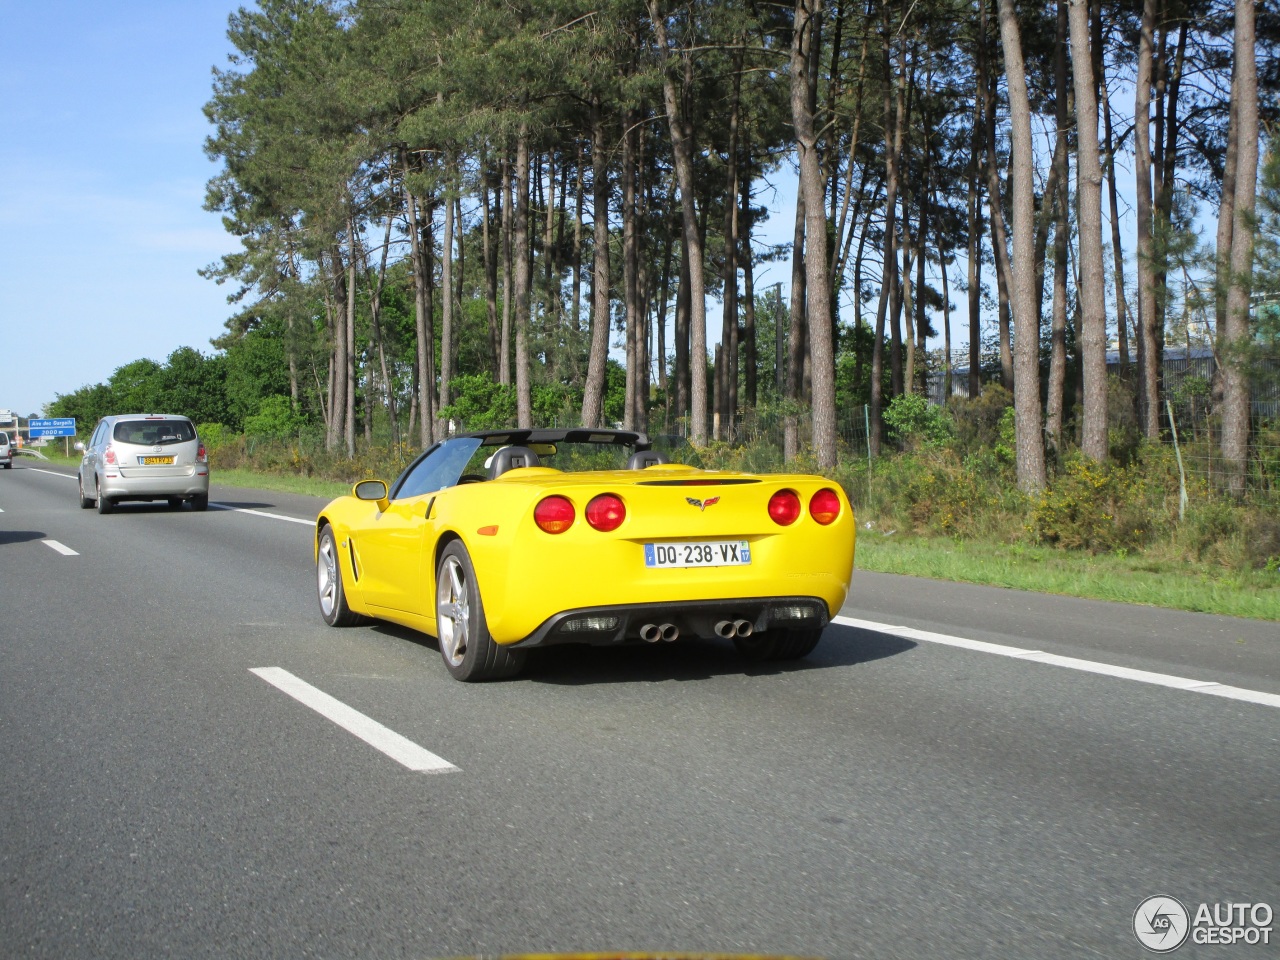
(645, 458)
(509, 458)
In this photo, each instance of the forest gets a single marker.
(462, 215)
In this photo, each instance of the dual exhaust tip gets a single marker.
(653, 632)
(728, 629)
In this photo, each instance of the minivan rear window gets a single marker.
(4, 439)
(154, 432)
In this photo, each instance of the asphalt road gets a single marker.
(891, 796)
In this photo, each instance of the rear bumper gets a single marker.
(608, 625)
(154, 488)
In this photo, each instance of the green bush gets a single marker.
(1092, 506)
(978, 421)
(915, 422)
(275, 419)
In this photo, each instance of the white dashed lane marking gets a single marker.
(398, 748)
(1071, 663)
(61, 548)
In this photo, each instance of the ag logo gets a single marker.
(702, 504)
(1161, 924)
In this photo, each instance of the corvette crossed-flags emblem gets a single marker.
(702, 504)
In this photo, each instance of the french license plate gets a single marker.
(705, 553)
(155, 461)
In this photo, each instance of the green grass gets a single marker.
(1125, 579)
(281, 483)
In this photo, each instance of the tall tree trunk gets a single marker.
(508, 215)
(974, 277)
(749, 356)
(523, 278)
(804, 45)
(488, 239)
(1109, 159)
(446, 297)
(1026, 382)
(1148, 349)
(1232, 347)
(729, 277)
(888, 278)
(593, 390)
(1061, 206)
(630, 272)
(683, 150)
(795, 337)
(426, 379)
(999, 239)
(1093, 316)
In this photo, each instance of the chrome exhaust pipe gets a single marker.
(743, 628)
(726, 629)
(651, 633)
(669, 632)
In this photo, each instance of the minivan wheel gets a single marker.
(85, 502)
(200, 502)
(104, 505)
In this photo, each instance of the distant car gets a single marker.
(143, 456)
(502, 541)
(6, 451)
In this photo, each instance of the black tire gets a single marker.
(104, 504)
(200, 502)
(86, 503)
(466, 646)
(330, 590)
(778, 644)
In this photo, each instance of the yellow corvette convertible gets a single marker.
(507, 540)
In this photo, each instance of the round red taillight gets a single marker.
(784, 507)
(606, 512)
(553, 515)
(824, 506)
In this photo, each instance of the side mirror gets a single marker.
(78, 446)
(374, 490)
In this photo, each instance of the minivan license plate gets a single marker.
(155, 461)
(705, 553)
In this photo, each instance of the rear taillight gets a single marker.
(606, 512)
(109, 456)
(553, 515)
(824, 506)
(201, 455)
(784, 507)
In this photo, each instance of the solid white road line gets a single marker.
(61, 548)
(1071, 663)
(261, 513)
(55, 473)
(396, 747)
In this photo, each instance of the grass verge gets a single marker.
(1125, 579)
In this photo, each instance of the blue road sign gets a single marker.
(53, 427)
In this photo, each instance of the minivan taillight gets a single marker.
(201, 455)
(109, 456)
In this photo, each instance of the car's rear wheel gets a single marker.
(104, 504)
(329, 587)
(85, 502)
(200, 502)
(778, 644)
(469, 651)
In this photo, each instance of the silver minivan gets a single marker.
(144, 456)
(6, 451)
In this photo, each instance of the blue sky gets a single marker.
(102, 179)
(102, 175)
